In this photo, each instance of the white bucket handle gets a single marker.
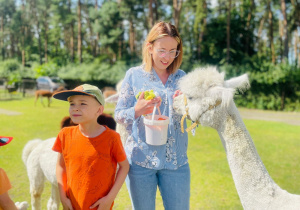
(153, 114)
(154, 110)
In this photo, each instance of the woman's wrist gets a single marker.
(136, 113)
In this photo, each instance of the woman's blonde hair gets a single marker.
(160, 30)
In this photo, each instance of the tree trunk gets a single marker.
(249, 18)
(150, 19)
(97, 33)
(285, 28)
(296, 47)
(39, 42)
(2, 38)
(46, 39)
(281, 32)
(177, 5)
(203, 29)
(155, 15)
(72, 43)
(261, 24)
(228, 31)
(271, 32)
(23, 34)
(12, 49)
(39, 39)
(131, 37)
(79, 44)
(37, 22)
(72, 34)
(88, 21)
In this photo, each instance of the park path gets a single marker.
(8, 112)
(292, 118)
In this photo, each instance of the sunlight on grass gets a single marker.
(212, 186)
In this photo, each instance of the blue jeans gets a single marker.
(174, 186)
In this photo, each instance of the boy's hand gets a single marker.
(67, 205)
(103, 204)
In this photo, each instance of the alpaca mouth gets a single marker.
(218, 102)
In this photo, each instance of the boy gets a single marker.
(88, 154)
(5, 200)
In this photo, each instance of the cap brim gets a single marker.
(5, 140)
(64, 95)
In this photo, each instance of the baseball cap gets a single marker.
(5, 140)
(84, 89)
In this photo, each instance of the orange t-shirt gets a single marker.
(91, 164)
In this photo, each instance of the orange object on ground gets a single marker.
(91, 164)
(4, 182)
(161, 118)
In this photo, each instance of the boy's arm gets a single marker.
(6, 203)
(105, 202)
(61, 176)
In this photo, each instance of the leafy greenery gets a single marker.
(99, 40)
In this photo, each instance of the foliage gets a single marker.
(44, 37)
(94, 71)
(11, 70)
(47, 69)
(274, 87)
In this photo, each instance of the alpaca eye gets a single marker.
(190, 98)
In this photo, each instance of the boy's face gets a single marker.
(84, 109)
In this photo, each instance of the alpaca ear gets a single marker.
(224, 93)
(113, 98)
(240, 83)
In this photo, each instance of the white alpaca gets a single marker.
(21, 205)
(40, 162)
(120, 128)
(210, 102)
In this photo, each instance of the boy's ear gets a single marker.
(100, 110)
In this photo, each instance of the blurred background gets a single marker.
(96, 41)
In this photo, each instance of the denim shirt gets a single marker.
(171, 155)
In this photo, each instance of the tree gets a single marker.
(79, 40)
(110, 30)
(285, 29)
(133, 12)
(228, 31)
(200, 23)
(248, 25)
(177, 5)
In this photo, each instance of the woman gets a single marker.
(165, 166)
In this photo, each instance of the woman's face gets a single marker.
(165, 47)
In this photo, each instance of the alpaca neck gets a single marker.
(254, 185)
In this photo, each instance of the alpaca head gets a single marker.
(208, 95)
(114, 98)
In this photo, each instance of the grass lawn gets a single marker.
(212, 187)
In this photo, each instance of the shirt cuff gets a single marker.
(130, 114)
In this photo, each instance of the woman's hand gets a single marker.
(177, 93)
(144, 107)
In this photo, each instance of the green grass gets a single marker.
(212, 186)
